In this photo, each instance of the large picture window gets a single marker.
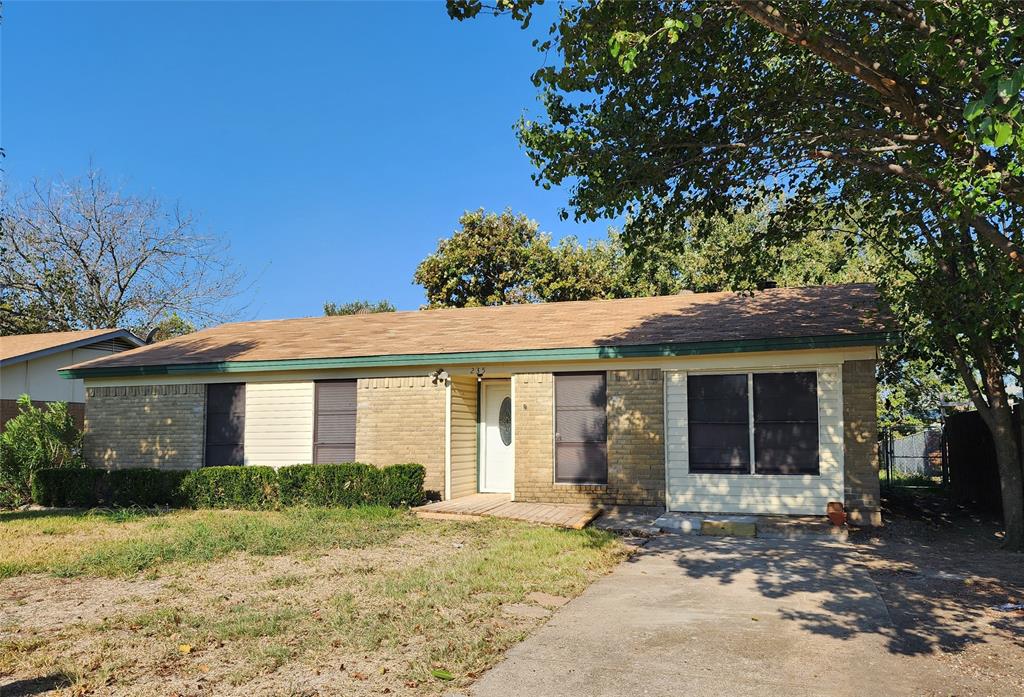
(581, 429)
(334, 424)
(225, 424)
(763, 423)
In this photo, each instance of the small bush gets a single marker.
(351, 484)
(81, 488)
(33, 440)
(251, 488)
(402, 485)
(144, 487)
(345, 484)
(246, 487)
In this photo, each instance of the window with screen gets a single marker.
(334, 426)
(786, 423)
(225, 424)
(719, 415)
(581, 429)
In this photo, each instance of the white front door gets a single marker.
(496, 462)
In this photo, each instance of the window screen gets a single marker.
(334, 430)
(225, 424)
(581, 429)
(786, 423)
(719, 423)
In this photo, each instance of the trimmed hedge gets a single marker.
(251, 488)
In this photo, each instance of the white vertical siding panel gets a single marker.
(751, 493)
(278, 423)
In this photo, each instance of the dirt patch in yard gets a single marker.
(943, 577)
(392, 618)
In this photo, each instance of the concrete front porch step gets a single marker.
(771, 527)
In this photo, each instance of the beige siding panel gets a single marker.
(753, 493)
(279, 423)
(464, 436)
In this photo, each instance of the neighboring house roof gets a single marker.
(26, 347)
(666, 325)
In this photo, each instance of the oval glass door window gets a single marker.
(505, 420)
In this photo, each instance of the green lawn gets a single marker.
(301, 601)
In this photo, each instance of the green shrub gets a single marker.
(351, 484)
(252, 488)
(86, 487)
(33, 440)
(402, 485)
(345, 484)
(246, 487)
(144, 487)
(81, 488)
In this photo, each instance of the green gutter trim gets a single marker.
(481, 357)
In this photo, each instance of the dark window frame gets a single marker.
(601, 445)
(781, 426)
(237, 407)
(754, 468)
(719, 419)
(317, 444)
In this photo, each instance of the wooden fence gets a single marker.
(973, 472)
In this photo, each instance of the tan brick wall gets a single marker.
(533, 436)
(636, 456)
(636, 431)
(860, 438)
(402, 420)
(145, 426)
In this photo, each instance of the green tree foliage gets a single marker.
(896, 122)
(36, 439)
(358, 307)
(171, 326)
(492, 259)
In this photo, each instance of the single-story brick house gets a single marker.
(29, 365)
(761, 403)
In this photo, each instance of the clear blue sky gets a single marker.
(333, 144)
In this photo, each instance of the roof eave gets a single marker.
(484, 357)
(71, 345)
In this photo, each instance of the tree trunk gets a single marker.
(1011, 476)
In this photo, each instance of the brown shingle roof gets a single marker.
(676, 319)
(12, 347)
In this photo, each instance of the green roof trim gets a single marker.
(517, 356)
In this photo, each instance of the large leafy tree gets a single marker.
(902, 116)
(504, 258)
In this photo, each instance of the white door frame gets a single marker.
(506, 385)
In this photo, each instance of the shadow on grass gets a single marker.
(34, 686)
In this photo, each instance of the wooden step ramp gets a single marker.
(565, 515)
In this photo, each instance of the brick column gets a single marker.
(860, 440)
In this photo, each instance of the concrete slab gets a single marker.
(800, 528)
(733, 528)
(699, 616)
(771, 527)
(684, 523)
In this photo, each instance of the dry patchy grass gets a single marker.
(365, 601)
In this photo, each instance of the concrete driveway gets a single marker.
(695, 616)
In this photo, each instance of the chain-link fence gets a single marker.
(913, 456)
